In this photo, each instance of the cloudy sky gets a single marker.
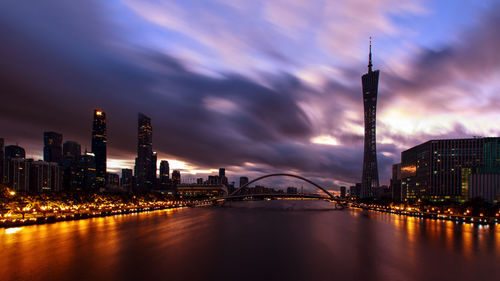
(253, 86)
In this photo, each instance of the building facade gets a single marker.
(369, 180)
(439, 170)
(45, 177)
(52, 147)
(145, 163)
(99, 141)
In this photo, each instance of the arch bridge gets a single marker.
(339, 203)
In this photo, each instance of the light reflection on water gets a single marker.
(278, 241)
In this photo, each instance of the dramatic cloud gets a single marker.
(254, 86)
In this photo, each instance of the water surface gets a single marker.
(268, 240)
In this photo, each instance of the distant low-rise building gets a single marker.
(196, 190)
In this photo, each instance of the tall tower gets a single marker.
(99, 140)
(144, 162)
(369, 80)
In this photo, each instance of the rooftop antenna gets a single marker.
(370, 57)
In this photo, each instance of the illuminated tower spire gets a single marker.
(370, 57)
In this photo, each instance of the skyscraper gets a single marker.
(14, 151)
(99, 147)
(176, 177)
(164, 172)
(144, 161)
(127, 179)
(52, 147)
(1, 160)
(243, 181)
(71, 157)
(369, 179)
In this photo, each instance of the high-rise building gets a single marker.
(369, 179)
(396, 183)
(99, 139)
(176, 177)
(17, 173)
(222, 176)
(144, 165)
(14, 151)
(71, 157)
(342, 191)
(52, 147)
(71, 151)
(243, 181)
(448, 169)
(127, 179)
(113, 181)
(86, 174)
(45, 177)
(2, 159)
(164, 172)
(154, 168)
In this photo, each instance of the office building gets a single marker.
(45, 177)
(2, 159)
(113, 181)
(71, 157)
(222, 176)
(369, 179)
(164, 172)
(342, 191)
(99, 140)
(14, 151)
(396, 183)
(176, 177)
(442, 170)
(17, 174)
(127, 179)
(144, 173)
(87, 173)
(52, 147)
(291, 190)
(243, 181)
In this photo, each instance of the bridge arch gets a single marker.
(282, 175)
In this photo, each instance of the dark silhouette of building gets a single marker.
(164, 172)
(342, 191)
(99, 139)
(396, 183)
(45, 177)
(176, 177)
(355, 190)
(145, 163)
(449, 169)
(52, 147)
(222, 176)
(17, 173)
(14, 151)
(127, 179)
(243, 181)
(86, 173)
(113, 181)
(71, 157)
(369, 179)
(291, 190)
(2, 159)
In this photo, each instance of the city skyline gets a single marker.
(288, 113)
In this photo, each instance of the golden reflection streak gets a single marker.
(12, 230)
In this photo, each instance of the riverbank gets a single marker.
(6, 223)
(429, 215)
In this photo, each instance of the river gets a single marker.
(267, 240)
